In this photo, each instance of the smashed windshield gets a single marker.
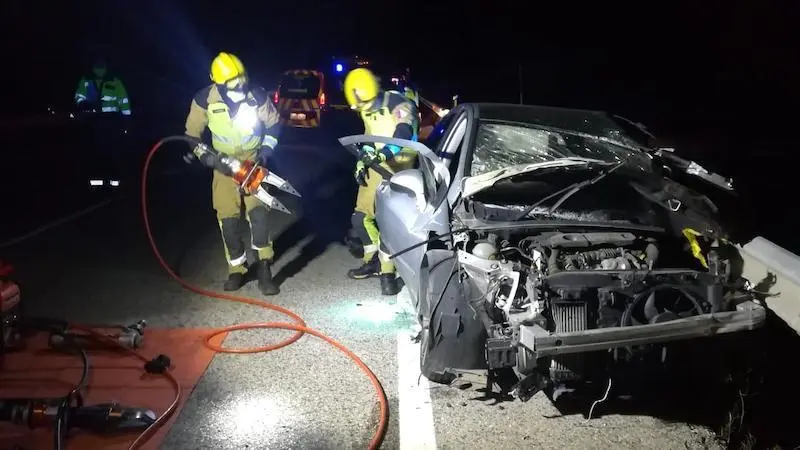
(501, 145)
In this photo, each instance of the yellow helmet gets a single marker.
(226, 67)
(361, 87)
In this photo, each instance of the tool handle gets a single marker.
(377, 167)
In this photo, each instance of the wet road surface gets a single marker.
(98, 268)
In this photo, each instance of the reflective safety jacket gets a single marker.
(412, 95)
(107, 94)
(239, 130)
(393, 115)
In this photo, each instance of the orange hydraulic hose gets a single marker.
(299, 326)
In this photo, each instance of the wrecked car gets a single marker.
(554, 243)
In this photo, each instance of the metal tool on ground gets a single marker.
(251, 177)
(100, 418)
(131, 336)
(70, 412)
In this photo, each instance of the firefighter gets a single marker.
(385, 113)
(243, 124)
(102, 92)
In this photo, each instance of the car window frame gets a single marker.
(445, 134)
(460, 117)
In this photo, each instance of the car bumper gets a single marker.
(747, 317)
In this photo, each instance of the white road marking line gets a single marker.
(413, 393)
(57, 223)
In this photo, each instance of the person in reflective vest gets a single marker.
(243, 123)
(102, 92)
(384, 113)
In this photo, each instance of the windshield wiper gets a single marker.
(569, 191)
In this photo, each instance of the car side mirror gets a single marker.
(411, 182)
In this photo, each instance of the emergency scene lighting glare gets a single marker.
(339, 67)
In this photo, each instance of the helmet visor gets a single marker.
(236, 84)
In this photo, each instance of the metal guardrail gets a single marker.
(774, 271)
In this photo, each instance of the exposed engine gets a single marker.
(546, 299)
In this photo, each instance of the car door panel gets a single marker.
(404, 209)
(396, 211)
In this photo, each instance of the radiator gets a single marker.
(568, 317)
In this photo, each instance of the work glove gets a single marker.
(366, 152)
(367, 157)
(362, 173)
(189, 157)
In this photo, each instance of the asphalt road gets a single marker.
(98, 268)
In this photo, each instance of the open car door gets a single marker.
(409, 204)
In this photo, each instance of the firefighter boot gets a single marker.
(389, 284)
(265, 281)
(235, 282)
(367, 270)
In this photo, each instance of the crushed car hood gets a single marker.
(473, 185)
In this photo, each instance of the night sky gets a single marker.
(658, 62)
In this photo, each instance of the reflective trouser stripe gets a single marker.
(264, 253)
(80, 97)
(108, 98)
(110, 109)
(238, 261)
(126, 112)
(387, 265)
(236, 264)
(374, 236)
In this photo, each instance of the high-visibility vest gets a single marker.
(238, 135)
(381, 122)
(109, 95)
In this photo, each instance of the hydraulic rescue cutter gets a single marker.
(250, 176)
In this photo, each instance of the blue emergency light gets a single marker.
(339, 67)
